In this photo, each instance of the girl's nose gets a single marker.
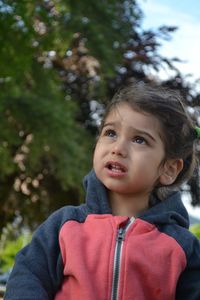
(120, 148)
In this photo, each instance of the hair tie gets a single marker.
(197, 129)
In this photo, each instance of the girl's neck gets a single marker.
(126, 205)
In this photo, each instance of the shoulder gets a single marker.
(58, 218)
(67, 212)
(186, 240)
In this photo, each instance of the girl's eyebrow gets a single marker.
(108, 124)
(145, 133)
(142, 132)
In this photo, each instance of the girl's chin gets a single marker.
(116, 189)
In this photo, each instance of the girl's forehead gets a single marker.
(124, 110)
(133, 117)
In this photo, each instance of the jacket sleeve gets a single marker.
(188, 287)
(37, 273)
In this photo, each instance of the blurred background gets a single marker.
(60, 63)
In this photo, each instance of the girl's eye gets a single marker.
(139, 140)
(110, 133)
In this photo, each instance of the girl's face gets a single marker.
(129, 152)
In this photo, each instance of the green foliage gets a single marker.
(10, 249)
(13, 238)
(195, 229)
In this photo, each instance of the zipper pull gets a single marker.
(122, 230)
(121, 234)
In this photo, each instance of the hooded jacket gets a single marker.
(85, 252)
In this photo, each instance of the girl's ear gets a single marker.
(170, 171)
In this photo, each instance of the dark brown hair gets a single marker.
(178, 131)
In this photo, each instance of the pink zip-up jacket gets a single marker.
(86, 253)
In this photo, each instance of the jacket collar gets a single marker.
(96, 195)
(169, 211)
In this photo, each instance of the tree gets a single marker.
(42, 146)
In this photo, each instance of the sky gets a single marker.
(185, 44)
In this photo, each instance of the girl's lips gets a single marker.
(115, 169)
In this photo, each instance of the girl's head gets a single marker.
(177, 130)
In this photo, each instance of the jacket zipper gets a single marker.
(117, 258)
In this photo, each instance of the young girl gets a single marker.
(130, 240)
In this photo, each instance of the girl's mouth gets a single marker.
(116, 167)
